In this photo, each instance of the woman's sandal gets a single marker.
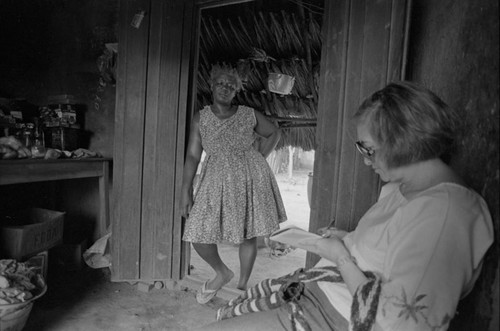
(204, 296)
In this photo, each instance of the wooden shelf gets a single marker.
(21, 171)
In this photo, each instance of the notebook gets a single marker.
(292, 236)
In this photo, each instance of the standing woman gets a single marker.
(237, 198)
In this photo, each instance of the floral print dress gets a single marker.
(237, 196)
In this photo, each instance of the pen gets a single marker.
(331, 225)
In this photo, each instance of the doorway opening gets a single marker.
(262, 38)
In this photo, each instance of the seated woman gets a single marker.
(414, 254)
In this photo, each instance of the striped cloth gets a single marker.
(285, 291)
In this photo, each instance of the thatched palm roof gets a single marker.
(258, 43)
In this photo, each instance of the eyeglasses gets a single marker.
(227, 86)
(367, 152)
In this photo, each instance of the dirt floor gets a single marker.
(87, 300)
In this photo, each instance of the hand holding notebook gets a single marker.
(293, 236)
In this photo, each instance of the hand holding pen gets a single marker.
(331, 230)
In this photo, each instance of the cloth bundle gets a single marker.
(286, 290)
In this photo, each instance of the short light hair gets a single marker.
(225, 69)
(409, 122)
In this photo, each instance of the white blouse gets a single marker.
(428, 251)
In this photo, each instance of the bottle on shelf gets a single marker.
(38, 145)
(28, 133)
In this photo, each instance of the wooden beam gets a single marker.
(204, 4)
(129, 139)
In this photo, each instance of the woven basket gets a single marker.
(13, 317)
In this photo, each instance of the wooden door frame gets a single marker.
(152, 87)
(199, 5)
(333, 149)
(128, 141)
(347, 188)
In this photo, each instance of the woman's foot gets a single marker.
(220, 280)
(242, 284)
(210, 288)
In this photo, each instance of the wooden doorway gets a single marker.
(363, 48)
(260, 38)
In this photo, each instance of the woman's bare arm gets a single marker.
(333, 249)
(271, 134)
(193, 156)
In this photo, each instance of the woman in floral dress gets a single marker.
(237, 198)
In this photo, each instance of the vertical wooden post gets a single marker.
(129, 139)
(362, 51)
(154, 61)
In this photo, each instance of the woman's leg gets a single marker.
(248, 253)
(210, 254)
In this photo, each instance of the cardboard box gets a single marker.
(28, 232)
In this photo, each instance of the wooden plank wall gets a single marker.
(362, 51)
(168, 74)
(152, 101)
(187, 96)
(129, 140)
